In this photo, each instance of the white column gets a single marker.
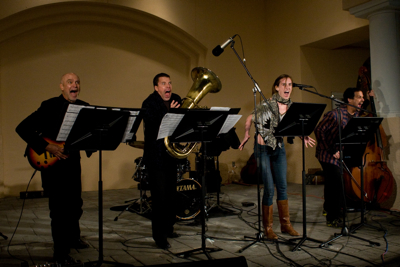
(384, 29)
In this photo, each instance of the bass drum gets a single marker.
(188, 199)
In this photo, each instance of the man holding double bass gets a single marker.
(327, 152)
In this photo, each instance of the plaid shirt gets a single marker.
(327, 133)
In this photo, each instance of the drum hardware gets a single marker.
(213, 184)
(140, 175)
(188, 192)
(182, 167)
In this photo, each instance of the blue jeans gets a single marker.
(277, 160)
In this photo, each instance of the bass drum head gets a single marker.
(188, 199)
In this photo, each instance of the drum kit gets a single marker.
(189, 190)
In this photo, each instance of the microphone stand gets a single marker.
(259, 235)
(345, 230)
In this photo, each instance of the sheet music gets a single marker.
(230, 121)
(169, 124)
(132, 118)
(69, 120)
(220, 108)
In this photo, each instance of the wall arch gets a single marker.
(116, 50)
(116, 16)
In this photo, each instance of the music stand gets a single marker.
(94, 128)
(354, 139)
(198, 125)
(213, 181)
(300, 120)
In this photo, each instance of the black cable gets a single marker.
(290, 262)
(19, 220)
(384, 237)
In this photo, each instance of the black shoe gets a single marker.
(173, 235)
(80, 244)
(163, 244)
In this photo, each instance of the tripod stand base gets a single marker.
(302, 240)
(258, 238)
(206, 251)
(345, 232)
(144, 207)
(355, 227)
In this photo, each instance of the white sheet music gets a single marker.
(230, 121)
(169, 124)
(220, 108)
(132, 118)
(69, 120)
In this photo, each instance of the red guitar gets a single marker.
(44, 160)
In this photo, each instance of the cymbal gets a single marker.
(137, 144)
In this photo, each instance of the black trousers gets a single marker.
(62, 184)
(333, 191)
(163, 194)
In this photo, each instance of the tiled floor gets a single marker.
(128, 240)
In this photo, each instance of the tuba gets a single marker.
(205, 81)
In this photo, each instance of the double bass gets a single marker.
(378, 179)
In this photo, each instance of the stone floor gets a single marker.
(128, 240)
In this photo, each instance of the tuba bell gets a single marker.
(204, 81)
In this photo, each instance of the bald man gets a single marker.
(61, 182)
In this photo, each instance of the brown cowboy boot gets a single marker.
(267, 222)
(284, 218)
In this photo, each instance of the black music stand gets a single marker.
(300, 120)
(213, 180)
(199, 125)
(98, 129)
(354, 139)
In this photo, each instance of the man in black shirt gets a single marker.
(61, 182)
(161, 166)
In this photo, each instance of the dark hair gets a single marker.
(349, 93)
(278, 80)
(155, 79)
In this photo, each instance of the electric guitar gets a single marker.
(44, 160)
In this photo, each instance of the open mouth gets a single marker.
(73, 92)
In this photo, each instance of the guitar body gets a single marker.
(44, 160)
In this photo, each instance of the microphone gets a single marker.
(302, 85)
(220, 48)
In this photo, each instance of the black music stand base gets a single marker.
(345, 231)
(258, 239)
(206, 252)
(203, 249)
(100, 260)
(356, 227)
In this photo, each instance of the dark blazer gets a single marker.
(155, 154)
(45, 121)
